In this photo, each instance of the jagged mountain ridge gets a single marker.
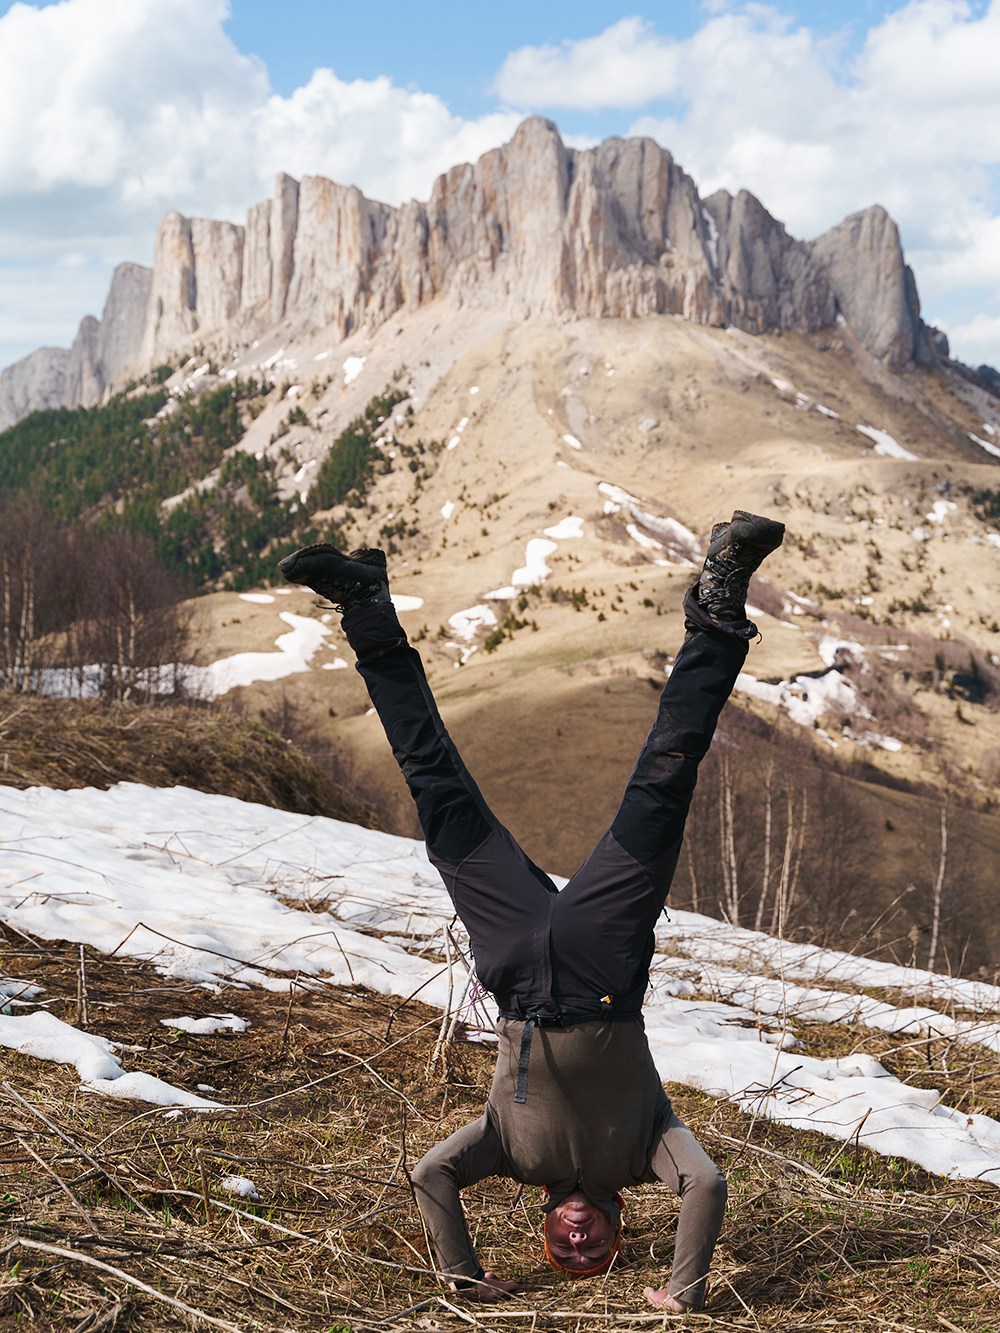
(533, 228)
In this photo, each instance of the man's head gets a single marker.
(580, 1238)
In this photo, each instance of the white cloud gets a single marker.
(390, 141)
(912, 122)
(150, 102)
(626, 66)
(112, 111)
(979, 338)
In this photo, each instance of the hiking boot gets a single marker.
(348, 581)
(736, 550)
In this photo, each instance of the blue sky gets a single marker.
(454, 48)
(112, 111)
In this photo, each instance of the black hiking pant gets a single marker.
(582, 953)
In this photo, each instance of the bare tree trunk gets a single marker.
(29, 622)
(730, 875)
(799, 841)
(766, 879)
(778, 912)
(938, 885)
(688, 841)
(131, 666)
(120, 644)
(24, 652)
(8, 655)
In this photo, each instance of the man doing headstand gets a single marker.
(576, 1104)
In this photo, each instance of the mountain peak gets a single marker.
(533, 228)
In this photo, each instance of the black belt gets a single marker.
(524, 1059)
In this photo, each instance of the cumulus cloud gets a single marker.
(627, 65)
(149, 99)
(912, 121)
(112, 111)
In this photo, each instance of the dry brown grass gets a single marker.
(817, 1236)
(65, 743)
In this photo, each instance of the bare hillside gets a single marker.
(647, 432)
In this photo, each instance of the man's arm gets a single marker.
(471, 1154)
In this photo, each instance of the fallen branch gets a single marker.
(74, 1201)
(86, 1156)
(60, 1253)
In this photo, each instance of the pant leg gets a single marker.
(680, 1162)
(502, 897)
(471, 1154)
(650, 820)
(603, 921)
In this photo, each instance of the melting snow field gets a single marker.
(191, 883)
(296, 649)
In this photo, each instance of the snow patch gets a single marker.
(259, 598)
(712, 239)
(296, 650)
(986, 444)
(885, 444)
(671, 535)
(45, 1037)
(353, 367)
(404, 602)
(647, 543)
(565, 529)
(806, 698)
(573, 442)
(534, 570)
(242, 1187)
(466, 624)
(204, 1027)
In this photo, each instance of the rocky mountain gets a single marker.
(538, 392)
(532, 229)
(101, 352)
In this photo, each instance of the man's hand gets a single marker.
(489, 1289)
(663, 1300)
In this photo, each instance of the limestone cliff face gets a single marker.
(83, 385)
(101, 351)
(771, 280)
(864, 259)
(35, 382)
(533, 228)
(123, 321)
(536, 228)
(197, 280)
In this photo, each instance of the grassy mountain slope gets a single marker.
(510, 428)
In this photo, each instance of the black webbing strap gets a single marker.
(521, 1095)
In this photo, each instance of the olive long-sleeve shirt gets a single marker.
(595, 1111)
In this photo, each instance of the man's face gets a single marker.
(579, 1235)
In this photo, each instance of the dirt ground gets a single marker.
(114, 1211)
